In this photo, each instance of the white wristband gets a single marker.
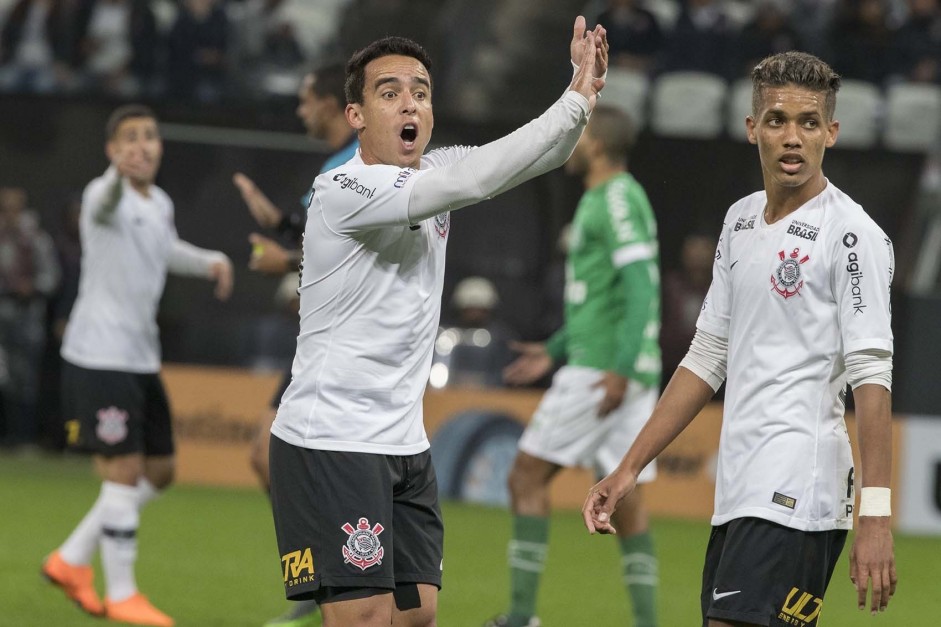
(875, 502)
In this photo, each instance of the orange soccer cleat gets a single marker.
(136, 610)
(76, 581)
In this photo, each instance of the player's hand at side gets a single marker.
(583, 82)
(603, 499)
(262, 209)
(601, 42)
(615, 388)
(268, 256)
(872, 558)
(531, 365)
(221, 272)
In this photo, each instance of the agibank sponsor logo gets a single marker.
(354, 185)
(856, 277)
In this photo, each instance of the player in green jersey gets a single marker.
(604, 394)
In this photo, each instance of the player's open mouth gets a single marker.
(791, 163)
(409, 134)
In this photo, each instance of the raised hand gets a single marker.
(262, 209)
(583, 82)
(601, 42)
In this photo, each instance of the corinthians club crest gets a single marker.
(362, 548)
(112, 425)
(786, 280)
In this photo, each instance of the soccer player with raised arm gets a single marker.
(798, 308)
(604, 394)
(353, 489)
(113, 399)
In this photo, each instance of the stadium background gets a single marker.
(52, 145)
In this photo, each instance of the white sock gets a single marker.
(146, 492)
(120, 518)
(79, 548)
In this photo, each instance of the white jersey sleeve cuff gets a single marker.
(708, 358)
(869, 366)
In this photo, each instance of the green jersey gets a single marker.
(612, 286)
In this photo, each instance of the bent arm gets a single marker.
(104, 202)
(189, 260)
(534, 149)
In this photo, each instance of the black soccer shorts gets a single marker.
(347, 521)
(108, 412)
(763, 573)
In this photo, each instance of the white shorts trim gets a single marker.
(566, 430)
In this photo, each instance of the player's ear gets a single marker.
(833, 129)
(750, 130)
(354, 116)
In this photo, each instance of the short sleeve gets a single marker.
(862, 276)
(717, 307)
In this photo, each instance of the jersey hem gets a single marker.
(347, 446)
(92, 364)
(791, 522)
(867, 344)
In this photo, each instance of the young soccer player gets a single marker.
(113, 398)
(798, 308)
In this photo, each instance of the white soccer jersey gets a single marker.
(374, 251)
(125, 260)
(370, 304)
(793, 299)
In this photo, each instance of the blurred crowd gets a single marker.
(872, 40)
(208, 50)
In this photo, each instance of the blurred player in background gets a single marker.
(798, 308)
(321, 108)
(113, 397)
(602, 397)
(353, 488)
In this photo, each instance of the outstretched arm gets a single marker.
(536, 148)
(189, 260)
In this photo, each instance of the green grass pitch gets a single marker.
(208, 558)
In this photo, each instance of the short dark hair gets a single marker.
(126, 112)
(615, 129)
(356, 66)
(795, 68)
(330, 80)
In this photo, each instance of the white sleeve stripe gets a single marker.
(631, 253)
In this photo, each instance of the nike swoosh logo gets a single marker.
(716, 595)
(733, 264)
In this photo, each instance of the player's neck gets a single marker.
(600, 173)
(142, 187)
(783, 201)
